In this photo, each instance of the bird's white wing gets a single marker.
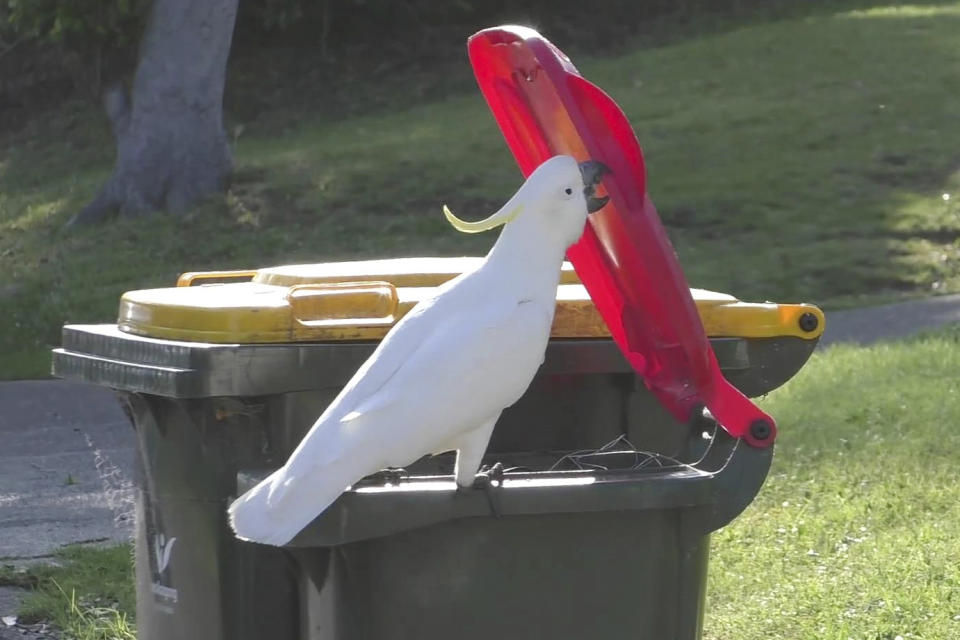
(464, 370)
(400, 342)
(468, 367)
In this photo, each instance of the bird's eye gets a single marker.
(568, 191)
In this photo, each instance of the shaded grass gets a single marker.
(801, 159)
(87, 595)
(856, 533)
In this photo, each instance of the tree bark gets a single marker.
(172, 150)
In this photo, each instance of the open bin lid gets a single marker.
(544, 107)
(344, 301)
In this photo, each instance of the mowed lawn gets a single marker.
(856, 533)
(809, 159)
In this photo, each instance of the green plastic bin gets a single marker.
(598, 528)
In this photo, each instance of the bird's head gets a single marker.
(556, 198)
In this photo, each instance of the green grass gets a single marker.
(804, 159)
(856, 533)
(87, 595)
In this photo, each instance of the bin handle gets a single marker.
(190, 277)
(344, 304)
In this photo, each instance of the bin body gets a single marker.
(630, 574)
(550, 562)
(194, 579)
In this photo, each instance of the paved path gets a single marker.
(66, 476)
(66, 459)
(891, 321)
(66, 468)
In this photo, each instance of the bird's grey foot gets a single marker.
(489, 479)
(490, 476)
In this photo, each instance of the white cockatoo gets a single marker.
(439, 379)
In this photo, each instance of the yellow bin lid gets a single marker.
(342, 301)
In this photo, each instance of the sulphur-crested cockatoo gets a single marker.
(440, 378)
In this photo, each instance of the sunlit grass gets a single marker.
(86, 620)
(904, 11)
(934, 211)
(88, 595)
(856, 533)
(33, 215)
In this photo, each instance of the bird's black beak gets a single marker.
(593, 172)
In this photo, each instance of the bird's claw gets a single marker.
(489, 476)
(488, 479)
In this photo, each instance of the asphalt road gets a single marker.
(887, 322)
(66, 468)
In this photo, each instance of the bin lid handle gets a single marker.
(332, 304)
(189, 278)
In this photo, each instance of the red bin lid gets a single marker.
(544, 107)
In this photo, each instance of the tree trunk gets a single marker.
(172, 150)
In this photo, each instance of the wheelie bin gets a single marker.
(596, 523)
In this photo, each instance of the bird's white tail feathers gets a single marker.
(274, 516)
